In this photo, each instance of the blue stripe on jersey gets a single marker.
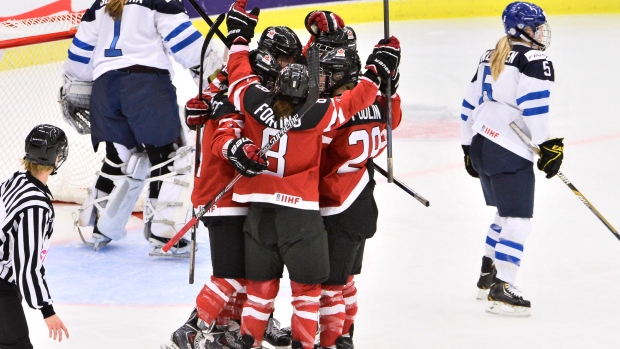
(496, 228)
(467, 105)
(536, 111)
(534, 95)
(188, 41)
(80, 59)
(464, 117)
(506, 258)
(81, 44)
(178, 30)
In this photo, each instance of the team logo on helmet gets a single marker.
(340, 52)
(267, 59)
(271, 33)
(350, 35)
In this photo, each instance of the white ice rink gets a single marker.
(418, 285)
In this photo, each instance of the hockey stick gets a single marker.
(388, 92)
(566, 181)
(313, 96)
(206, 18)
(203, 51)
(404, 187)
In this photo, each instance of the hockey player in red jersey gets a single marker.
(284, 226)
(346, 192)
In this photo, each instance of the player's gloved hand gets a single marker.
(323, 22)
(384, 60)
(241, 24)
(197, 112)
(468, 166)
(243, 154)
(551, 155)
(394, 82)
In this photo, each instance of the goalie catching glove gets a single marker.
(323, 22)
(241, 24)
(244, 155)
(551, 156)
(197, 112)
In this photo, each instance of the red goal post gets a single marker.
(32, 52)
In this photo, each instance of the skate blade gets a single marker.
(168, 346)
(503, 309)
(482, 294)
(96, 245)
(156, 252)
(266, 345)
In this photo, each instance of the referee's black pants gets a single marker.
(13, 326)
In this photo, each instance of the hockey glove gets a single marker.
(197, 112)
(323, 22)
(394, 82)
(384, 59)
(468, 166)
(551, 155)
(241, 24)
(243, 154)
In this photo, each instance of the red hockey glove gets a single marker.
(243, 154)
(323, 21)
(240, 23)
(197, 112)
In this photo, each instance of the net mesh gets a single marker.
(30, 79)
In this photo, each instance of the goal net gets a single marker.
(32, 52)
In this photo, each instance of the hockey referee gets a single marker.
(27, 218)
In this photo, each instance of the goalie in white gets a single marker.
(124, 49)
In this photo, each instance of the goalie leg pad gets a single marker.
(120, 203)
(95, 202)
(167, 213)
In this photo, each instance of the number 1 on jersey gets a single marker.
(113, 51)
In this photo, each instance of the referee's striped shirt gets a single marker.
(27, 219)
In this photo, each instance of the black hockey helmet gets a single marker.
(280, 41)
(265, 67)
(338, 67)
(293, 82)
(47, 145)
(344, 37)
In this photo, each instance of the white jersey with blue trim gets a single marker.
(520, 94)
(148, 31)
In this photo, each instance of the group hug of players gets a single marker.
(306, 204)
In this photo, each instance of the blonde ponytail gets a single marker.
(499, 55)
(114, 8)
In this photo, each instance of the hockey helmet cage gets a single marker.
(338, 67)
(344, 37)
(47, 145)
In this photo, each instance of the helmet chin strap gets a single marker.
(526, 36)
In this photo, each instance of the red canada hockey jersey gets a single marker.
(215, 172)
(346, 151)
(292, 178)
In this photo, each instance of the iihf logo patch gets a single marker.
(277, 197)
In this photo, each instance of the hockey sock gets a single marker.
(493, 237)
(214, 295)
(331, 314)
(224, 317)
(256, 311)
(509, 249)
(349, 293)
(305, 312)
(237, 307)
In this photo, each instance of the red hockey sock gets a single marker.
(331, 314)
(258, 307)
(349, 293)
(305, 312)
(214, 295)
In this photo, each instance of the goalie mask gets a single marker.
(47, 145)
(75, 103)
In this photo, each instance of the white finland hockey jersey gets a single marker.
(148, 31)
(520, 94)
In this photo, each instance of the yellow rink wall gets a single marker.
(401, 10)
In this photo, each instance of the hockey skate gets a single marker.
(276, 338)
(188, 336)
(505, 300)
(180, 250)
(487, 277)
(228, 339)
